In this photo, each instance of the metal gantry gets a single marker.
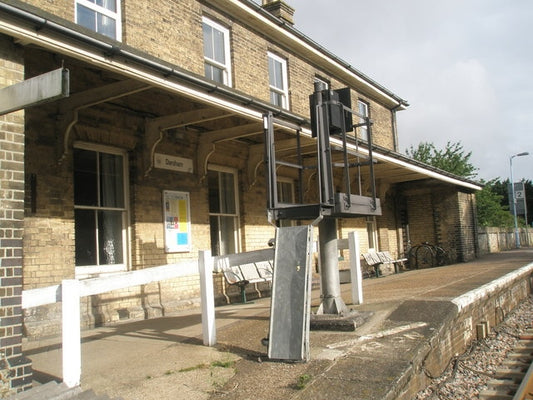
(337, 147)
(329, 120)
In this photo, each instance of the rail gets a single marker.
(513, 380)
(525, 390)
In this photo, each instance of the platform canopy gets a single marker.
(218, 113)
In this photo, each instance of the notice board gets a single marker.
(176, 209)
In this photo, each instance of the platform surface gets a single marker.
(164, 358)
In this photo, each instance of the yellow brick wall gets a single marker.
(171, 31)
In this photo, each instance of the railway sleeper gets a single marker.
(489, 394)
(503, 384)
(510, 373)
(516, 364)
(527, 356)
(525, 344)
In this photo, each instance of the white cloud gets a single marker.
(463, 65)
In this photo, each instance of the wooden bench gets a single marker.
(242, 269)
(377, 258)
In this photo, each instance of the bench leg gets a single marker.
(376, 269)
(242, 287)
(243, 294)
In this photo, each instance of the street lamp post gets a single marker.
(516, 233)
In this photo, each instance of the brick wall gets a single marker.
(49, 226)
(169, 30)
(419, 208)
(442, 216)
(468, 226)
(459, 330)
(15, 369)
(172, 32)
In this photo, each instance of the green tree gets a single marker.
(491, 202)
(502, 189)
(490, 210)
(453, 158)
(528, 185)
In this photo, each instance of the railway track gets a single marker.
(514, 379)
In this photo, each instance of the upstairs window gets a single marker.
(322, 81)
(362, 108)
(102, 16)
(217, 65)
(277, 73)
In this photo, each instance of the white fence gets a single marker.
(493, 240)
(70, 291)
(356, 276)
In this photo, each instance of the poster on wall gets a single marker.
(177, 221)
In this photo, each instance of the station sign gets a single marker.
(173, 163)
(520, 198)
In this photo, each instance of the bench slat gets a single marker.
(233, 275)
(265, 269)
(250, 273)
(375, 259)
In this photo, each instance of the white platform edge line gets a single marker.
(470, 297)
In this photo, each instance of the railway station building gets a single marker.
(154, 150)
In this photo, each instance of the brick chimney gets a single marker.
(280, 9)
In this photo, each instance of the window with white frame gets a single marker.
(285, 195)
(372, 232)
(223, 210)
(362, 108)
(100, 208)
(102, 16)
(217, 59)
(285, 190)
(277, 74)
(324, 82)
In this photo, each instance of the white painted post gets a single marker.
(355, 268)
(71, 332)
(205, 265)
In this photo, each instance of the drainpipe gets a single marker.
(395, 143)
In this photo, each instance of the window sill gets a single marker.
(95, 271)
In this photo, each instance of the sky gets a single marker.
(464, 66)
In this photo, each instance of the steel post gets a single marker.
(332, 302)
(513, 197)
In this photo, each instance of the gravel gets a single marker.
(467, 374)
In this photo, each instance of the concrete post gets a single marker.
(355, 268)
(205, 265)
(332, 302)
(70, 296)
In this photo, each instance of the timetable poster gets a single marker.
(177, 221)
